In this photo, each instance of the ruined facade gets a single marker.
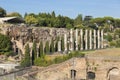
(78, 39)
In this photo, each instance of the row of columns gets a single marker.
(83, 40)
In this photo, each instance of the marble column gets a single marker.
(71, 40)
(94, 39)
(81, 39)
(59, 46)
(102, 46)
(90, 39)
(86, 39)
(76, 42)
(65, 42)
(98, 39)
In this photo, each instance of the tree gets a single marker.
(26, 62)
(2, 12)
(52, 46)
(31, 19)
(14, 14)
(5, 45)
(53, 14)
(62, 44)
(47, 50)
(78, 20)
(34, 52)
(41, 52)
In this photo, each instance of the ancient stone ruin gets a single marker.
(78, 39)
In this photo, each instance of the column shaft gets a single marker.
(81, 39)
(98, 36)
(94, 39)
(76, 42)
(65, 42)
(102, 46)
(71, 40)
(59, 46)
(90, 39)
(86, 40)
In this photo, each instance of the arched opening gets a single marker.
(73, 74)
(113, 74)
(90, 75)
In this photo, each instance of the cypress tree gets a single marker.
(47, 50)
(62, 44)
(34, 52)
(52, 46)
(26, 62)
(56, 46)
(41, 49)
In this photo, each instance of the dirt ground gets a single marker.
(107, 52)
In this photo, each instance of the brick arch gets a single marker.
(114, 71)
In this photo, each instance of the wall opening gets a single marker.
(113, 74)
(73, 74)
(90, 75)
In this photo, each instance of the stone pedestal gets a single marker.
(94, 39)
(86, 39)
(81, 39)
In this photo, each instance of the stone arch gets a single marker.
(113, 74)
(91, 75)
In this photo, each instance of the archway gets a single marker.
(91, 75)
(113, 74)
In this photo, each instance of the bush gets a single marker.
(46, 62)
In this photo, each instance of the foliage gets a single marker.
(26, 62)
(47, 48)
(52, 49)
(31, 19)
(62, 44)
(46, 62)
(5, 45)
(2, 12)
(34, 52)
(115, 43)
(78, 20)
(108, 37)
(14, 14)
(117, 32)
(41, 52)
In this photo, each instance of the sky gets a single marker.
(70, 8)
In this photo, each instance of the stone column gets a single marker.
(90, 39)
(86, 39)
(94, 39)
(59, 46)
(76, 42)
(81, 39)
(98, 38)
(65, 42)
(102, 46)
(71, 40)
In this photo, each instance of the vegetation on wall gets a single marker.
(45, 62)
(5, 45)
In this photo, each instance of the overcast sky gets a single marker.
(71, 8)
